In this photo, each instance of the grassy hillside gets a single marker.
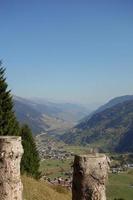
(37, 190)
(119, 186)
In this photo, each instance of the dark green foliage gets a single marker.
(30, 159)
(119, 199)
(10, 126)
(8, 122)
(126, 142)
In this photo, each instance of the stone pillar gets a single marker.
(89, 177)
(10, 156)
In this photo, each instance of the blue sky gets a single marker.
(74, 50)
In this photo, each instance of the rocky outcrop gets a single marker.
(10, 156)
(89, 177)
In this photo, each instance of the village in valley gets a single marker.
(54, 155)
(57, 161)
(49, 148)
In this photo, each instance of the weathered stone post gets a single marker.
(89, 177)
(10, 156)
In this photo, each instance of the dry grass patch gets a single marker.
(38, 190)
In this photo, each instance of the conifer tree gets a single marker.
(8, 122)
(30, 160)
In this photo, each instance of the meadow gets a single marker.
(119, 186)
(55, 168)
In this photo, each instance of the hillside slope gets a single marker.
(104, 129)
(109, 104)
(118, 187)
(114, 102)
(126, 142)
(27, 114)
(37, 190)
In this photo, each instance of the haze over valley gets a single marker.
(108, 128)
(49, 117)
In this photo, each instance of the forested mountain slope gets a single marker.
(109, 104)
(106, 130)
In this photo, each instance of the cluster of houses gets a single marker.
(48, 149)
(60, 181)
(125, 167)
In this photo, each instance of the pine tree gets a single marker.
(10, 126)
(30, 160)
(8, 122)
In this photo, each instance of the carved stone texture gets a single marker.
(89, 177)
(10, 156)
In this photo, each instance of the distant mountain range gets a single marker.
(45, 116)
(110, 128)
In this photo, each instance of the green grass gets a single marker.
(119, 186)
(76, 149)
(55, 168)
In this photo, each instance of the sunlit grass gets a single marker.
(37, 190)
(119, 186)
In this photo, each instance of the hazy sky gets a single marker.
(79, 50)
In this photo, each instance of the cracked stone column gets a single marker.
(89, 177)
(10, 156)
